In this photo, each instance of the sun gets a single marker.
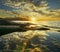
(33, 20)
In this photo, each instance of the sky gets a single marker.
(30, 8)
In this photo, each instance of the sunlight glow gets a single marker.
(33, 20)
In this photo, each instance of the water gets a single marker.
(31, 40)
(50, 23)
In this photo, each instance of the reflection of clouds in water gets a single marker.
(30, 34)
(41, 35)
(31, 40)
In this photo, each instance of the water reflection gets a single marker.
(31, 41)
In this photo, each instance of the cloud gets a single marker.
(4, 14)
(15, 3)
(43, 10)
(30, 8)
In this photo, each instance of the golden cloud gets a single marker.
(31, 10)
